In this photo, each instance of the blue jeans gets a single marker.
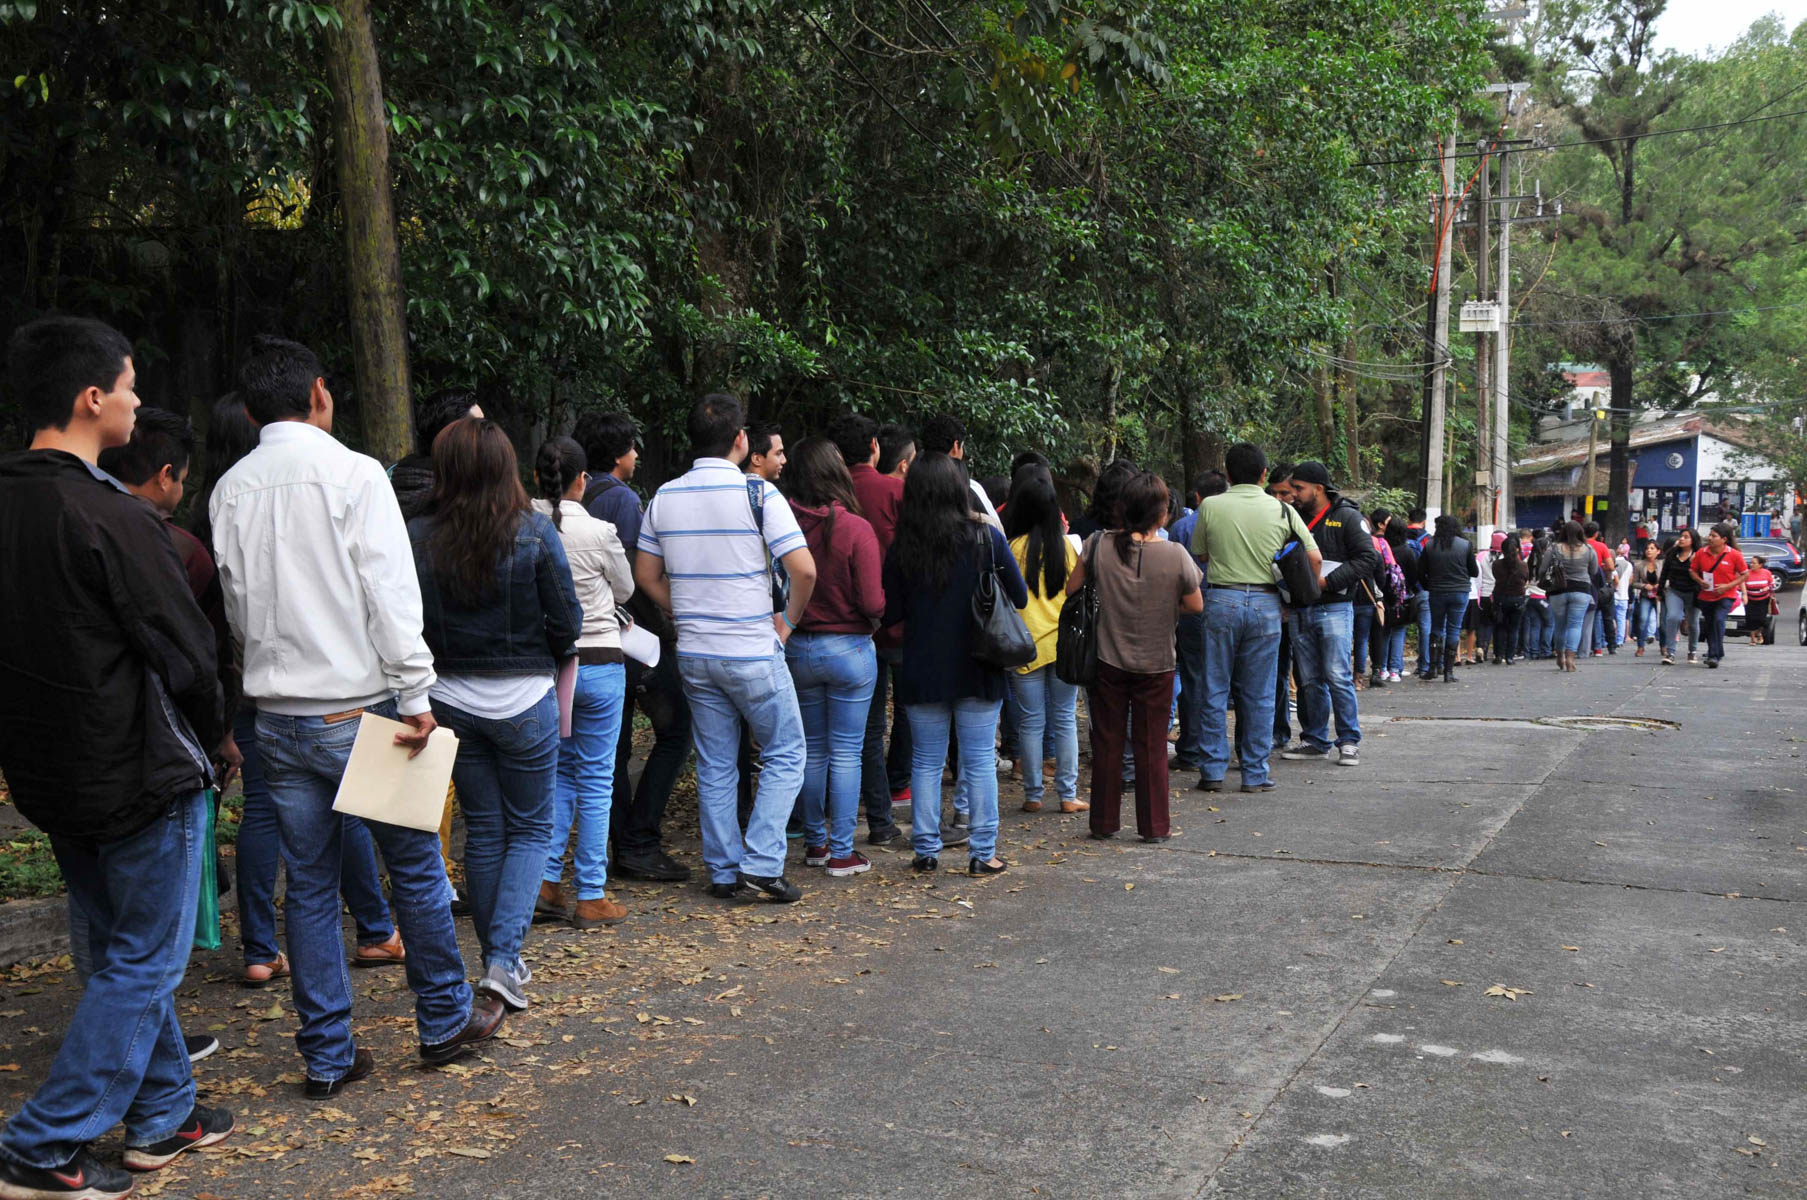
(303, 760)
(1242, 648)
(1426, 630)
(1048, 705)
(259, 850)
(1447, 610)
(724, 692)
(1189, 644)
(1362, 634)
(1620, 632)
(1321, 641)
(1539, 629)
(507, 778)
(975, 724)
(1646, 620)
(586, 778)
(122, 1058)
(1393, 645)
(1569, 613)
(1712, 615)
(834, 674)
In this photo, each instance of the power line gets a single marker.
(1711, 312)
(1629, 137)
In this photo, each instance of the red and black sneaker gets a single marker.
(83, 1177)
(815, 856)
(854, 864)
(204, 1127)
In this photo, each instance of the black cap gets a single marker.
(1311, 472)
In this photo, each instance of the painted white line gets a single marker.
(1333, 1092)
(1329, 1141)
(1388, 1039)
(1497, 1056)
(1441, 1051)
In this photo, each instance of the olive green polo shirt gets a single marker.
(1241, 530)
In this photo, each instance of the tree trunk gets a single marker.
(373, 265)
(1326, 414)
(1618, 481)
(1352, 419)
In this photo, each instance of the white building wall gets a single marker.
(1722, 460)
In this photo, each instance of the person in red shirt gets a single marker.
(1760, 601)
(884, 779)
(1720, 571)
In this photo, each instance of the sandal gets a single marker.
(383, 954)
(262, 975)
(1073, 806)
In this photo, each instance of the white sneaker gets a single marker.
(1348, 756)
(1307, 753)
(502, 983)
(1004, 764)
(1392, 676)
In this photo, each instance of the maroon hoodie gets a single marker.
(850, 594)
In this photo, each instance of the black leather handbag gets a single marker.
(1076, 637)
(1000, 635)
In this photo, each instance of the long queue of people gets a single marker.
(822, 613)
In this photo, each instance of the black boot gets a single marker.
(1449, 661)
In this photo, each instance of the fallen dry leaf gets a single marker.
(1227, 997)
(1450, 982)
(1510, 993)
(467, 1151)
(1571, 949)
(679, 1158)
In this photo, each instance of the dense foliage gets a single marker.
(1093, 226)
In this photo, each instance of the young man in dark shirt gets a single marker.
(109, 707)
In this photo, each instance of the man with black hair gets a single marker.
(1323, 632)
(884, 781)
(1417, 535)
(896, 450)
(1238, 533)
(945, 433)
(1189, 634)
(412, 477)
(706, 548)
(109, 699)
(765, 450)
(322, 596)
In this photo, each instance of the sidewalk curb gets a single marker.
(39, 928)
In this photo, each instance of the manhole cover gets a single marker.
(1581, 724)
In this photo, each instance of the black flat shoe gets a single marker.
(776, 886)
(925, 863)
(1153, 841)
(1100, 837)
(658, 867)
(980, 867)
(362, 1064)
(1208, 785)
(1257, 787)
(727, 891)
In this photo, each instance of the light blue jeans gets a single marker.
(1044, 702)
(723, 692)
(586, 778)
(122, 1058)
(304, 758)
(834, 674)
(1242, 650)
(1322, 636)
(975, 724)
(507, 778)
(1568, 612)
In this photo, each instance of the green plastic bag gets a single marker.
(207, 908)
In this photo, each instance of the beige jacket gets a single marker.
(598, 568)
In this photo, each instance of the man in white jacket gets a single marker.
(321, 594)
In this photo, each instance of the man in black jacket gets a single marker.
(109, 704)
(1323, 633)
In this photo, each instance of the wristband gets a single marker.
(786, 618)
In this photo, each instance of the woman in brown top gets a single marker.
(1144, 584)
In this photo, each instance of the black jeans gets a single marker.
(1508, 613)
(636, 813)
(883, 773)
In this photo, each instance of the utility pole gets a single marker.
(1593, 445)
(1502, 348)
(1436, 374)
(1483, 362)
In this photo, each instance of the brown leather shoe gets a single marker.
(590, 913)
(551, 904)
(485, 1020)
(383, 954)
(260, 975)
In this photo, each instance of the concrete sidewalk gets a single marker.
(1288, 999)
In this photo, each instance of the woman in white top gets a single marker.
(586, 759)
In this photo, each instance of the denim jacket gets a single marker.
(530, 621)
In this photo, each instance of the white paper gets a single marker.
(381, 783)
(639, 645)
(1329, 566)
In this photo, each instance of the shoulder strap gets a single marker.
(756, 501)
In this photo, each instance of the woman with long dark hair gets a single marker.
(1032, 523)
(1144, 583)
(1446, 565)
(1647, 595)
(1509, 578)
(586, 759)
(1569, 575)
(929, 578)
(1719, 571)
(830, 654)
(500, 611)
(1538, 629)
(1679, 595)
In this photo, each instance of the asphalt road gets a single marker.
(1289, 999)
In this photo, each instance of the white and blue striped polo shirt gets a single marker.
(701, 524)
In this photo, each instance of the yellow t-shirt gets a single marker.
(1043, 612)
